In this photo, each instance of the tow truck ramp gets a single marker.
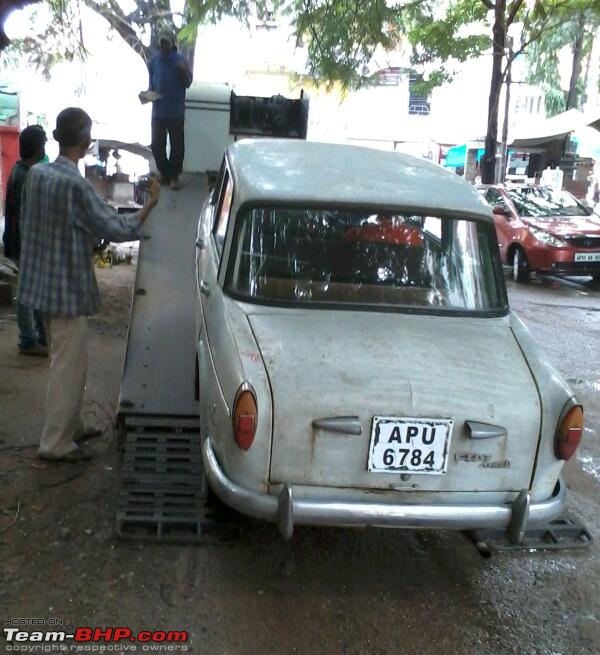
(162, 495)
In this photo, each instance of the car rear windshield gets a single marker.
(538, 202)
(361, 257)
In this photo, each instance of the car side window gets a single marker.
(222, 217)
(216, 190)
(495, 198)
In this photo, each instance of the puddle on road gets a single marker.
(590, 465)
(589, 385)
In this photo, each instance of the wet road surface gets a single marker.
(327, 590)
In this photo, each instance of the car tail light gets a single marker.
(245, 417)
(569, 433)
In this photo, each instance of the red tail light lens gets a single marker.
(245, 417)
(569, 433)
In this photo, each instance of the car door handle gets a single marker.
(477, 430)
(199, 243)
(343, 424)
(204, 288)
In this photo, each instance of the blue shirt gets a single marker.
(167, 79)
(62, 219)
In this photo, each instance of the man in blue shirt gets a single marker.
(32, 141)
(170, 76)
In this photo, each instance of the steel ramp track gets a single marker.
(158, 375)
(560, 534)
(152, 457)
(162, 495)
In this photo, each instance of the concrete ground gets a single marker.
(326, 591)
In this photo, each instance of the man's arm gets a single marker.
(103, 221)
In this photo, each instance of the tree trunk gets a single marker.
(586, 76)
(576, 67)
(488, 161)
(504, 156)
(119, 23)
(123, 25)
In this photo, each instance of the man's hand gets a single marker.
(153, 192)
(151, 199)
(184, 72)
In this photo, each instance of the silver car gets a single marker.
(357, 361)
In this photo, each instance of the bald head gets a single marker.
(73, 125)
(73, 132)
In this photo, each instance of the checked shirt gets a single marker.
(62, 219)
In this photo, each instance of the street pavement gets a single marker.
(327, 590)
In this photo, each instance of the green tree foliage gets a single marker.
(576, 31)
(61, 38)
(342, 36)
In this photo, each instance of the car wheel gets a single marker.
(520, 266)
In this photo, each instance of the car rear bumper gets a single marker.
(287, 511)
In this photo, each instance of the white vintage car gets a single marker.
(357, 361)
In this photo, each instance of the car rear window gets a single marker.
(538, 202)
(362, 257)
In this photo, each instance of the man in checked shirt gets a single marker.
(62, 219)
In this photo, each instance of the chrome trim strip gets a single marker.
(290, 511)
(285, 512)
(477, 430)
(343, 424)
(520, 514)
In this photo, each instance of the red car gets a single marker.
(541, 229)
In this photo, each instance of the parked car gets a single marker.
(357, 361)
(545, 230)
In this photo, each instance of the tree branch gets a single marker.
(488, 4)
(117, 20)
(512, 12)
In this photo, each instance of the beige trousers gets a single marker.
(67, 341)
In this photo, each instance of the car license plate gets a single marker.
(587, 256)
(409, 445)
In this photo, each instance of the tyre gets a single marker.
(520, 266)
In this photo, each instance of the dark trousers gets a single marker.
(168, 167)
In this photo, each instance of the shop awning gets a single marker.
(592, 119)
(551, 129)
(457, 156)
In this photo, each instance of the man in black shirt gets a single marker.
(32, 141)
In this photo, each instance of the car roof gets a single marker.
(279, 171)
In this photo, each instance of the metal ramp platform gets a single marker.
(161, 495)
(159, 364)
